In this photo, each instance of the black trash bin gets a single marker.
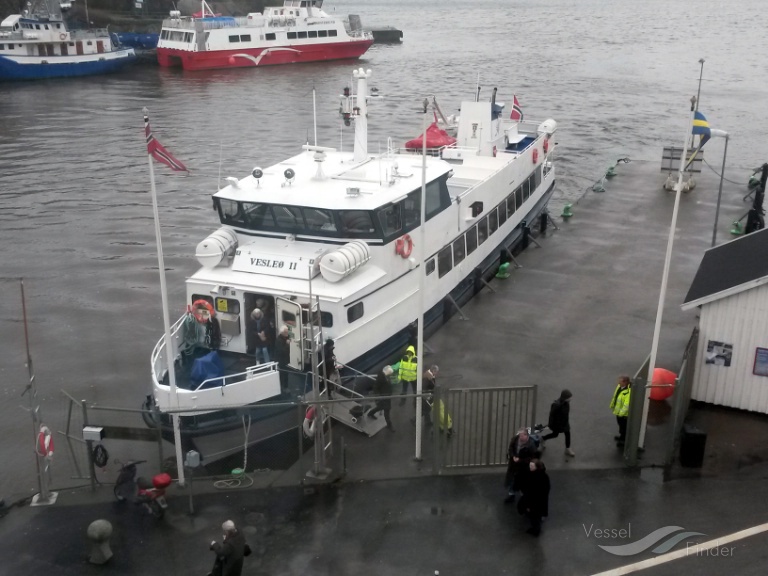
(692, 444)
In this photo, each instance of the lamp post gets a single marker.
(422, 273)
(665, 276)
(720, 192)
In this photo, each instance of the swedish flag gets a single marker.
(701, 127)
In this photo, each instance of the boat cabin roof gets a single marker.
(330, 179)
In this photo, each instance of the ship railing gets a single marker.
(362, 34)
(249, 374)
(159, 357)
(190, 24)
(87, 34)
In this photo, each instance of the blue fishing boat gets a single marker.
(38, 44)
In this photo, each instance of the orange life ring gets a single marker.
(404, 246)
(62, 36)
(494, 151)
(202, 311)
(535, 155)
(546, 145)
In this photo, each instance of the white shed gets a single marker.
(731, 290)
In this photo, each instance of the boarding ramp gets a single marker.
(344, 399)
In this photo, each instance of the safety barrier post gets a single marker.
(89, 448)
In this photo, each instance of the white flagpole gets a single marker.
(422, 272)
(169, 355)
(665, 277)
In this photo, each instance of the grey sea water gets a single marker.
(75, 213)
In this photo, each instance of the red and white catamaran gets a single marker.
(297, 31)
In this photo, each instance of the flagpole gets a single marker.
(664, 278)
(169, 356)
(422, 273)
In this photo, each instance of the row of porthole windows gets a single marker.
(37, 26)
(312, 34)
(454, 253)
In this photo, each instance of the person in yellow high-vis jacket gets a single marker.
(407, 373)
(620, 407)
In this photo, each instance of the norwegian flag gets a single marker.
(517, 112)
(158, 151)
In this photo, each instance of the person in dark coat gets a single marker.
(283, 356)
(522, 448)
(535, 499)
(230, 552)
(559, 423)
(383, 387)
(330, 370)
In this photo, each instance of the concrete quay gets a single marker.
(579, 312)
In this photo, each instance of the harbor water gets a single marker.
(75, 212)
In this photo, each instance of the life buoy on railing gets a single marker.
(62, 36)
(308, 426)
(202, 311)
(45, 442)
(494, 151)
(404, 246)
(535, 155)
(546, 145)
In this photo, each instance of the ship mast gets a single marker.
(360, 114)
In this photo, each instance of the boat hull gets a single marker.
(251, 57)
(37, 67)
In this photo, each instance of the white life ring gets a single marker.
(62, 36)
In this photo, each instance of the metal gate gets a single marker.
(483, 422)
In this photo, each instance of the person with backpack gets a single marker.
(559, 414)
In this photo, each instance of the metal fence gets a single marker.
(484, 421)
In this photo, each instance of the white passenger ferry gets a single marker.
(327, 242)
(297, 31)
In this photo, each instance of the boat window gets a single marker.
(302, 34)
(322, 33)
(356, 222)
(270, 36)
(459, 251)
(526, 190)
(227, 305)
(234, 38)
(332, 33)
(2, 46)
(444, 262)
(319, 220)
(482, 231)
(502, 214)
(313, 33)
(46, 26)
(438, 197)
(288, 217)
(326, 319)
(471, 239)
(291, 35)
(510, 205)
(245, 38)
(257, 215)
(430, 266)
(412, 210)
(355, 312)
(519, 197)
(391, 220)
(493, 222)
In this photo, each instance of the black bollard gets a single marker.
(478, 280)
(543, 221)
(526, 232)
